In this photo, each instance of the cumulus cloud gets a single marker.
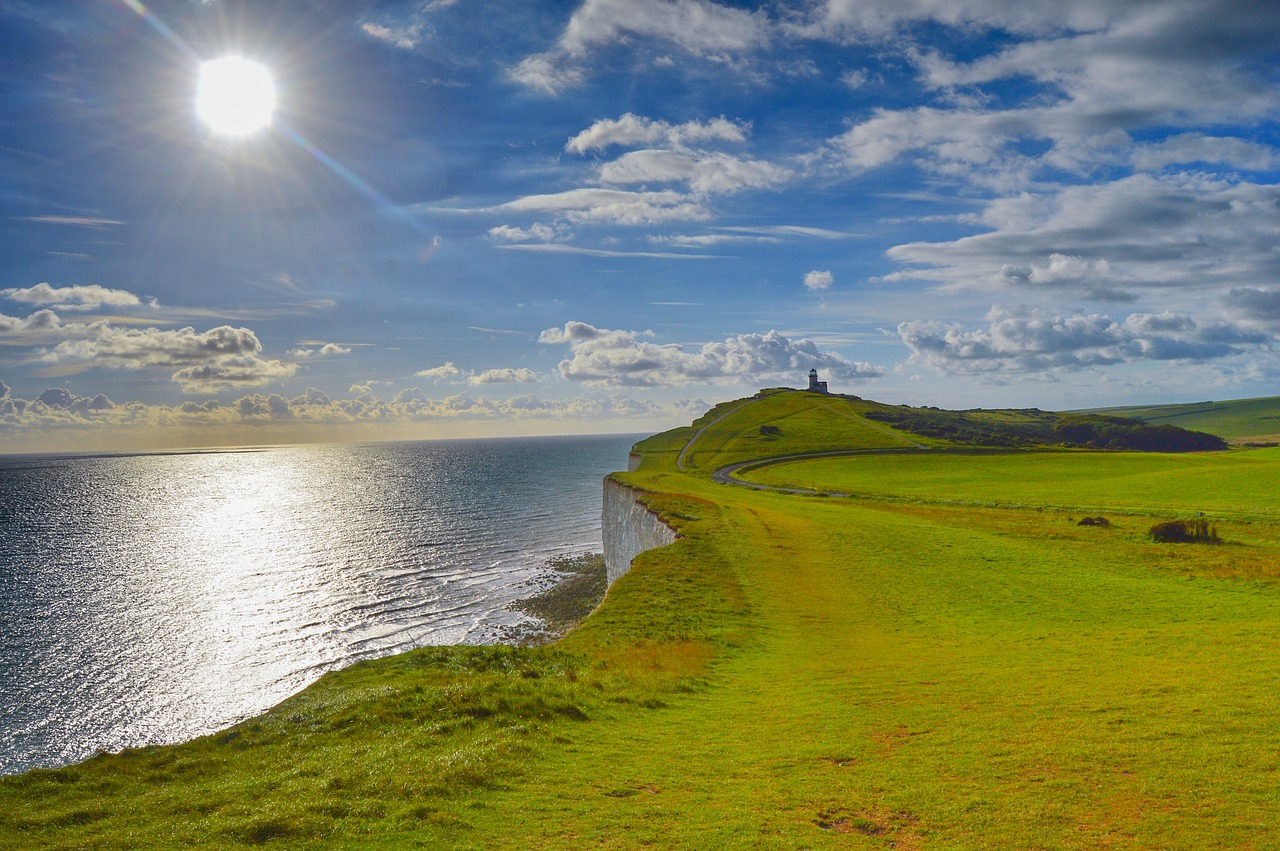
(503, 375)
(610, 358)
(221, 358)
(698, 173)
(232, 373)
(1175, 230)
(697, 27)
(818, 280)
(1024, 339)
(133, 348)
(323, 351)
(60, 409)
(520, 375)
(445, 370)
(61, 416)
(88, 297)
(39, 324)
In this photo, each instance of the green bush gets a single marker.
(1185, 532)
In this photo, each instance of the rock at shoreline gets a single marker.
(580, 587)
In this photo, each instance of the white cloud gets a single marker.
(232, 373)
(789, 231)
(445, 370)
(324, 351)
(557, 248)
(88, 297)
(407, 30)
(613, 206)
(602, 357)
(705, 240)
(632, 130)
(1028, 340)
(521, 375)
(1099, 72)
(704, 172)
(38, 325)
(698, 27)
(548, 74)
(1187, 231)
(855, 79)
(533, 233)
(868, 20)
(134, 348)
(818, 280)
(405, 38)
(75, 221)
(1188, 148)
(219, 359)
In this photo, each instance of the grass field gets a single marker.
(1239, 419)
(1235, 485)
(927, 666)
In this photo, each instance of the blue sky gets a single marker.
(481, 218)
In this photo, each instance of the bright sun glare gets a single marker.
(235, 96)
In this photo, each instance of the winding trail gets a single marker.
(688, 446)
(728, 475)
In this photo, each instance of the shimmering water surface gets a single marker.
(153, 598)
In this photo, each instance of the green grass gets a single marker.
(794, 423)
(794, 672)
(1237, 419)
(1236, 484)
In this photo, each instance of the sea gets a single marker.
(153, 598)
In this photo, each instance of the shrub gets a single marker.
(1185, 532)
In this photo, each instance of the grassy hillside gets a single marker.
(948, 661)
(773, 423)
(786, 422)
(1239, 419)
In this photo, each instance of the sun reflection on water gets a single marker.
(154, 598)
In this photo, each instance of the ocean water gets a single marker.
(149, 599)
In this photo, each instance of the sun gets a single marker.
(235, 96)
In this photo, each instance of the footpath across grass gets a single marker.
(795, 672)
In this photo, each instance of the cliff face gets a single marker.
(628, 528)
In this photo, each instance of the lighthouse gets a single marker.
(816, 386)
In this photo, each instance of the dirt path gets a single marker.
(727, 475)
(688, 446)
